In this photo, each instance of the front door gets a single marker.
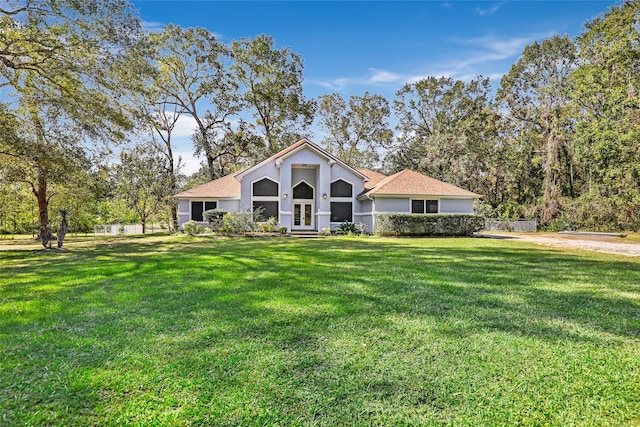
(303, 207)
(303, 215)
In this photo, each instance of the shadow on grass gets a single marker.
(208, 307)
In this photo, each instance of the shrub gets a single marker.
(192, 228)
(237, 222)
(396, 224)
(326, 231)
(361, 228)
(283, 230)
(346, 228)
(214, 218)
(270, 225)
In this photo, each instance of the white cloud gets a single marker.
(383, 76)
(152, 26)
(185, 126)
(489, 10)
(190, 163)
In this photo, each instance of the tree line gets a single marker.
(90, 105)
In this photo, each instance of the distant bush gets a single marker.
(214, 218)
(192, 228)
(395, 224)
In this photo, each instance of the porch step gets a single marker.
(305, 233)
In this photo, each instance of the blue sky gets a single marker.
(350, 47)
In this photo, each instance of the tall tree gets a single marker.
(65, 65)
(272, 82)
(194, 77)
(537, 97)
(606, 87)
(358, 132)
(448, 129)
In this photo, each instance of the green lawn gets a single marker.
(338, 331)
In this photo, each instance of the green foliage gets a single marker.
(509, 210)
(346, 228)
(238, 223)
(483, 209)
(215, 218)
(283, 230)
(326, 231)
(272, 82)
(193, 228)
(428, 224)
(143, 182)
(270, 225)
(357, 132)
(448, 129)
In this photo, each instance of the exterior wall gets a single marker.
(184, 208)
(395, 205)
(268, 170)
(458, 206)
(229, 205)
(308, 175)
(365, 214)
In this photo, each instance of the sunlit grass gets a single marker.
(339, 331)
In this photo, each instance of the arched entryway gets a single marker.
(303, 207)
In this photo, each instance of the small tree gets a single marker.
(143, 182)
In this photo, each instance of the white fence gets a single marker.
(511, 225)
(120, 229)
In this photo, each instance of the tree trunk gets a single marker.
(40, 192)
(62, 230)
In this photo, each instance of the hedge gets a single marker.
(397, 224)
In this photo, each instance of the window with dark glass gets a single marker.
(303, 191)
(265, 187)
(424, 206)
(198, 207)
(341, 211)
(270, 209)
(196, 211)
(341, 188)
(417, 206)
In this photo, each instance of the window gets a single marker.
(341, 201)
(270, 209)
(265, 196)
(303, 191)
(265, 187)
(198, 207)
(341, 188)
(341, 211)
(424, 206)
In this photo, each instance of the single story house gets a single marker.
(307, 189)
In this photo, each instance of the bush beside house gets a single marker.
(395, 224)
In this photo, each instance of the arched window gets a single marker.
(265, 197)
(341, 201)
(265, 187)
(341, 188)
(303, 191)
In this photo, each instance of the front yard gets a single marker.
(280, 331)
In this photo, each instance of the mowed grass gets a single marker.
(338, 331)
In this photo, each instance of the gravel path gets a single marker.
(608, 245)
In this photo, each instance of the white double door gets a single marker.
(303, 215)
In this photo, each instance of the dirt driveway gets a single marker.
(610, 245)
